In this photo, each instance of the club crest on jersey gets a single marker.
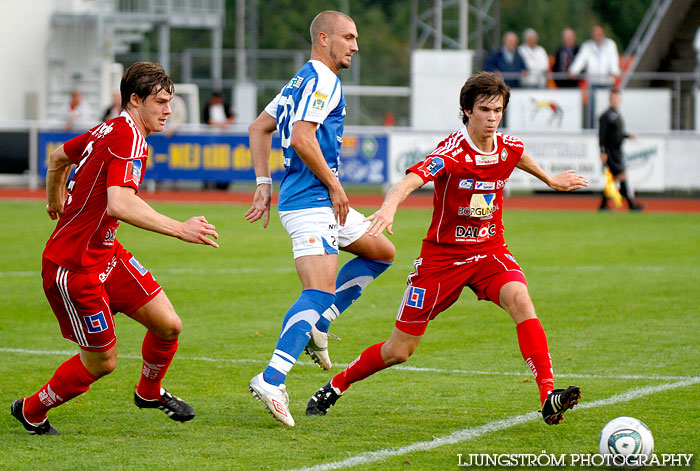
(133, 171)
(466, 184)
(486, 159)
(95, 323)
(415, 297)
(504, 154)
(136, 264)
(482, 205)
(436, 164)
(296, 82)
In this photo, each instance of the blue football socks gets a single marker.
(296, 326)
(352, 278)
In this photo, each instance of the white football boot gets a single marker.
(275, 398)
(317, 348)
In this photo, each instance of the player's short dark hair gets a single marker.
(144, 78)
(478, 87)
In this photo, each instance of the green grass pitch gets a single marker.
(617, 294)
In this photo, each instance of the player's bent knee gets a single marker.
(169, 329)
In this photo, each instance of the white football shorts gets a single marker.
(314, 231)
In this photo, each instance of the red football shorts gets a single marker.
(84, 303)
(438, 282)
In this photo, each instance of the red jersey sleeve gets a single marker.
(75, 147)
(434, 165)
(126, 153)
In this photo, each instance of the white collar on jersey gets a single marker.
(130, 120)
(466, 135)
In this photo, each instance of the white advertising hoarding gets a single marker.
(545, 110)
(641, 109)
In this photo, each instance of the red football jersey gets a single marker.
(468, 195)
(111, 154)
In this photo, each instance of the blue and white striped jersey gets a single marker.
(314, 94)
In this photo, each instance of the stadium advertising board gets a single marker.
(555, 153)
(545, 110)
(221, 158)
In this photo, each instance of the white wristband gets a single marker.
(262, 180)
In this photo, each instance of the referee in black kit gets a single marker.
(611, 133)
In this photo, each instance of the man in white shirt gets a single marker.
(599, 57)
(536, 60)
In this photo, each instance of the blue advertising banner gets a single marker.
(226, 158)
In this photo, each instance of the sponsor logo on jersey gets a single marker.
(296, 82)
(467, 211)
(95, 323)
(133, 171)
(110, 266)
(501, 183)
(511, 258)
(136, 264)
(504, 154)
(102, 130)
(466, 184)
(320, 95)
(486, 159)
(435, 165)
(474, 233)
(467, 158)
(482, 205)
(415, 297)
(455, 152)
(485, 185)
(110, 235)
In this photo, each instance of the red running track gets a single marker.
(551, 202)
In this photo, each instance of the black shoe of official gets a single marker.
(636, 207)
(173, 406)
(322, 400)
(558, 402)
(44, 428)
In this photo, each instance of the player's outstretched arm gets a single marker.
(123, 204)
(260, 134)
(384, 217)
(59, 167)
(565, 181)
(305, 143)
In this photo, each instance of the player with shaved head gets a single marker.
(309, 114)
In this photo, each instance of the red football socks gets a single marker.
(369, 362)
(71, 379)
(533, 346)
(157, 354)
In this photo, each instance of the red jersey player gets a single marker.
(88, 275)
(464, 245)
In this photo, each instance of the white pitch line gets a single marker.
(398, 367)
(475, 432)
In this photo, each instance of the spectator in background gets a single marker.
(177, 118)
(535, 58)
(507, 60)
(218, 112)
(599, 58)
(75, 112)
(565, 57)
(115, 108)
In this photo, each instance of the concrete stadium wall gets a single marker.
(24, 35)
